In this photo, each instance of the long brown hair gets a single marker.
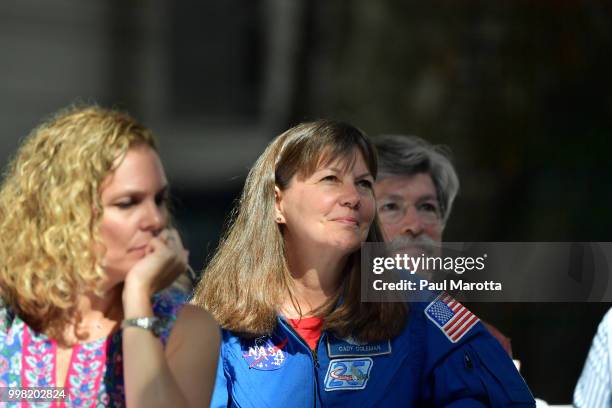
(248, 278)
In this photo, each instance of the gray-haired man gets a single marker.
(416, 187)
(415, 190)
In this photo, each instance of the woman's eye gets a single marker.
(331, 177)
(125, 204)
(365, 183)
(162, 200)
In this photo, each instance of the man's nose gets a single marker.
(411, 222)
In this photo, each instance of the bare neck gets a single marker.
(317, 275)
(90, 306)
(94, 317)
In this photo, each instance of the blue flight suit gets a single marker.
(421, 367)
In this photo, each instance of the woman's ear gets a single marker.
(278, 206)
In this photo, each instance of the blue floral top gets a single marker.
(95, 373)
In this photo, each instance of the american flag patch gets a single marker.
(454, 319)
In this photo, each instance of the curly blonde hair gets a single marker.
(50, 210)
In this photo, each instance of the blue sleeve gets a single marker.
(595, 382)
(479, 373)
(220, 397)
(474, 371)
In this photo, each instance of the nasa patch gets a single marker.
(348, 374)
(265, 354)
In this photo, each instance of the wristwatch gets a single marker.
(154, 324)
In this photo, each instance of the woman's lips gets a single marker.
(347, 220)
(138, 248)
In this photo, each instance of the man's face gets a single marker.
(408, 207)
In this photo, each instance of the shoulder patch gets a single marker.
(348, 374)
(450, 316)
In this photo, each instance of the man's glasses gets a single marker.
(393, 211)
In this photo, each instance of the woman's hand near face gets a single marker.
(183, 374)
(165, 260)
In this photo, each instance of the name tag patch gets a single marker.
(348, 374)
(350, 347)
(265, 354)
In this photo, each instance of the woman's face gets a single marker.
(134, 203)
(333, 207)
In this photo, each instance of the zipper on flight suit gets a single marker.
(313, 354)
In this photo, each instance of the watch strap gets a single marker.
(152, 323)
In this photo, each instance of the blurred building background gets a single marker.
(520, 91)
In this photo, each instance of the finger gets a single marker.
(172, 238)
(171, 241)
(165, 235)
(157, 244)
(175, 237)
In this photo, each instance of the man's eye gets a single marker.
(428, 207)
(389, 207)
